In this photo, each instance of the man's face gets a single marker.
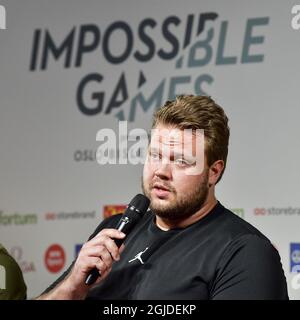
(174, 192)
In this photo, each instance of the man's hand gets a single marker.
(100, 252)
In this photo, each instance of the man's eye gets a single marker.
(181, 162)
(154, 156)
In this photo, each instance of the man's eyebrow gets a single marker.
(153, 149)
(173, 154)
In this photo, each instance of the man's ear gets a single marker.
(215, 171)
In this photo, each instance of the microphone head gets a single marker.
(140, 202)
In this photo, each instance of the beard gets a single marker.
(184, 205)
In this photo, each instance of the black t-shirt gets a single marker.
(220, 256)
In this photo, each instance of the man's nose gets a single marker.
(163, 170)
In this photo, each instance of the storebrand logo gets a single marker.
(2, 17)
(52, 216)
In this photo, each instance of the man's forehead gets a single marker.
(174, 136)
(170, 142)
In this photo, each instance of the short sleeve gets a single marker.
(249, 269)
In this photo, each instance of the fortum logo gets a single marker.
(2, 17)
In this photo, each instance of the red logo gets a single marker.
(260, 211)
(50, 215)
(55, 258)
(110, 210)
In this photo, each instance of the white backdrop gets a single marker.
(136, 54)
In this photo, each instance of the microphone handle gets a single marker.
(125, 225)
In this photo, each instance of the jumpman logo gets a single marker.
(139, 256)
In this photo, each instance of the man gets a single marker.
(12, 285)
(188, 246)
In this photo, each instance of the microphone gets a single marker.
(132, 215)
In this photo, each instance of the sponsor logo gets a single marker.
(77, 249)
(273, 211)
(51, 216)
(295, 257)
(17, 219)
(25, 265)
(55, 258)
(109, 210)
